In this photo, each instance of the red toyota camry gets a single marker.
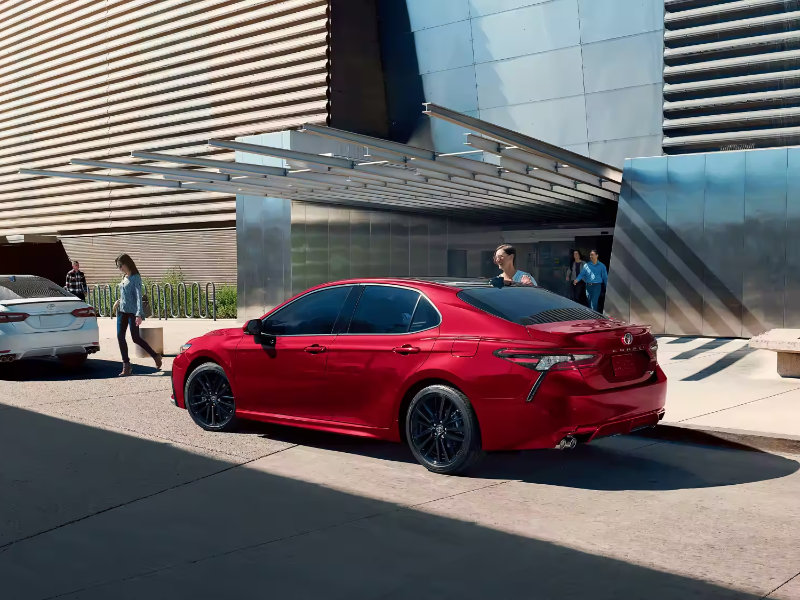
(453, 368)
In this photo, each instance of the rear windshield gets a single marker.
(22, 287)
(526, 305)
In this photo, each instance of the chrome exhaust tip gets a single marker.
(7, 358)
(568, 443)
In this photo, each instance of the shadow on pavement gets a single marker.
(720, 365)
(608, 464)
(51, 369)
(130, 518)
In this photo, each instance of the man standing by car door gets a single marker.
(76, 281)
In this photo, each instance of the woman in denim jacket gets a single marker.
(130, 312)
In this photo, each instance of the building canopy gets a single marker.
(504, 177)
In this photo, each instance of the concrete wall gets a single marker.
(583, 74)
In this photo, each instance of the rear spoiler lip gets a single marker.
(40, 300)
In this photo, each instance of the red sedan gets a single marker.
(453, 368)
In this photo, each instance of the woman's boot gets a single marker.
(158, 360)
(126, 370)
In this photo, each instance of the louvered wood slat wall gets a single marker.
(99, 78)
(203, 255)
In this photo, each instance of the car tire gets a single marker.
(208, 398)
(442, 430)
(73, 361)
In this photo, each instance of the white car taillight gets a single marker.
(84, 312)
(12, 317)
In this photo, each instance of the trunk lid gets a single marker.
(48, 314)
(624, 350)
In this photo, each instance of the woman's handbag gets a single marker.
(146, 308)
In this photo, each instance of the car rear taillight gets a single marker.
(546, 361)
(12, 317)
(84, 312)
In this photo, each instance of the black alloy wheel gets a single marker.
(442, 430)
(209, 398)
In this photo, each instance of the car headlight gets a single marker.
(184, 348)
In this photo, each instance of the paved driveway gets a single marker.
(108, 491)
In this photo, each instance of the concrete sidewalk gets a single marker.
(719, 386)
(725, 387)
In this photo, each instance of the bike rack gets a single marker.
(166, 301)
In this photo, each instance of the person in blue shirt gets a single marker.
(505, 257)
(594, 275)
(130, 312)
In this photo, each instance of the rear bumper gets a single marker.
(50, 343)
(564, 405)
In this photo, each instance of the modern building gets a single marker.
(603, 79)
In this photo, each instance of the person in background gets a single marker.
(130, 312)
(505, 257)
(595, 275)
(579, 290)
(76, 281)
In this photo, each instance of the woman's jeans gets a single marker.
(593, 295)
(123, 320)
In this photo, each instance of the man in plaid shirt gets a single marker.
(76, 281)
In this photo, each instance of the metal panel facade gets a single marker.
(764, 252)
(535, 66)
(707, 244)
(647, 252)
(99, 79)
(685, 194)
(723, 227)
(281, 255)
(792, 289)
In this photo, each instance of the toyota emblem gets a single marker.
(51, 307)
(627, 339)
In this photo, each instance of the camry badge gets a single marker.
(627, 339)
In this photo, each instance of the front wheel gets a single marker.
(209, 398)
(442, 430)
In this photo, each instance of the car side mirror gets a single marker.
(253, 327)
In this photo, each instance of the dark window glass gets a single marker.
(425, 316)
(314, 313)
(21, 287)
(526, 305)
(384, 309)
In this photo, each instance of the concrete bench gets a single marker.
(786, 342)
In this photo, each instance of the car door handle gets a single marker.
(406, 349)
(315, 349)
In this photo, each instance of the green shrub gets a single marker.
(226, 302)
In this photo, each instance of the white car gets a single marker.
(39, 318)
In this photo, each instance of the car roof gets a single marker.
(453, 283)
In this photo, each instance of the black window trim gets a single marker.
(305, 295)
(402, 287)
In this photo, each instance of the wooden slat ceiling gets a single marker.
(100, 79)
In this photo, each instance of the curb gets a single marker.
(732, 439)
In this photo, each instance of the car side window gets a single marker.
(314, 313)
(384, 309)
(425, 316)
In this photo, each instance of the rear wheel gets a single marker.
(209, 398)
(442, 430)
(73, 361)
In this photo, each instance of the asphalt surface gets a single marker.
(109, 491)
